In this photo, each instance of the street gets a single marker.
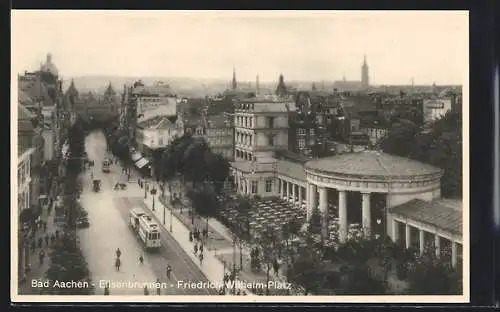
(108, 215)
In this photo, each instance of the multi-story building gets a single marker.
(219, 135)
(141, 102)
(261, 126)
(435, 108)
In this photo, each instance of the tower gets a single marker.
(257, 85)
(365, 79)
(234, 83)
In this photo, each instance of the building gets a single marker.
(219, 135)
(261, 125)
(26, 212)
(435, 108)
(141, 102)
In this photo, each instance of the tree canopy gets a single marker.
(440, 146)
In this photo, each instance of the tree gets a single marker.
(430, 275)
(244, 209)
(270, 246)
(441, 146)
(290, 231)
(203, 202)
(194, 165)
(218, 170)
(315, 221)
(68, 264)
(360, 281)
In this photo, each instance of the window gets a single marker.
(269, 185)
(270, 122)
(301, 143)
(255, 186)
(270, 140)
(301, 131)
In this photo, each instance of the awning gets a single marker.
(136, 156)
(141, 163)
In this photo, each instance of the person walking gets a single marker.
(201, 248)
(141, 259)
(41, 256)
(158, 288)
(195, 248)
(169, 271)
(47, 238)
(201, 258)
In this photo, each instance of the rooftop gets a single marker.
(435, 213)
(371, 163)
(156, 123)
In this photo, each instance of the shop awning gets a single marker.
(141, 163)
(136, 156)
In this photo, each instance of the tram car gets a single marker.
(145, 228)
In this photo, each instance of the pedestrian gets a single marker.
(201, 258)
(201, 248)
(195, 248)
(47, 238)
(41, 256)
(190, 236)
(44, 226)
(141, 259)
(158, 288)
(40, 242)
(169, 271)
(146, 291)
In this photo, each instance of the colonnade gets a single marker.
(291, 190)
(312, 196)
(421, 239)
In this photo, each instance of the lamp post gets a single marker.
(153, 193)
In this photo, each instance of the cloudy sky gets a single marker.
(428, 46)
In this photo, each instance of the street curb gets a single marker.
(188, 251)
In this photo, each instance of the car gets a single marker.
(82, 222)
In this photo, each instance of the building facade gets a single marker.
(219, 135)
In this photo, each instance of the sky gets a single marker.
(430, 46)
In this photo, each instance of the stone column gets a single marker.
(308, 201)
(323, 208)
(293, 192)
(342, 216)
(395, 230)
(408, 235)
(300, 196)
(421, 238)
(437, 245)
(366, 214)
(314, 201)
(280, 188)
(453, 254)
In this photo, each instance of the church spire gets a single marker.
(234, 83)
(281, 88)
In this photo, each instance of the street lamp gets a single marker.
(153, 193)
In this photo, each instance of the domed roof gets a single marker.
(49, 67)
(371, 163)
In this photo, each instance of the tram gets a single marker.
(145, 228)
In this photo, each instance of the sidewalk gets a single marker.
(38, 270)
(211, 267)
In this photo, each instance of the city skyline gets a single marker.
(303, 46)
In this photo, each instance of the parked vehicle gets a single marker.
(82, 222)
